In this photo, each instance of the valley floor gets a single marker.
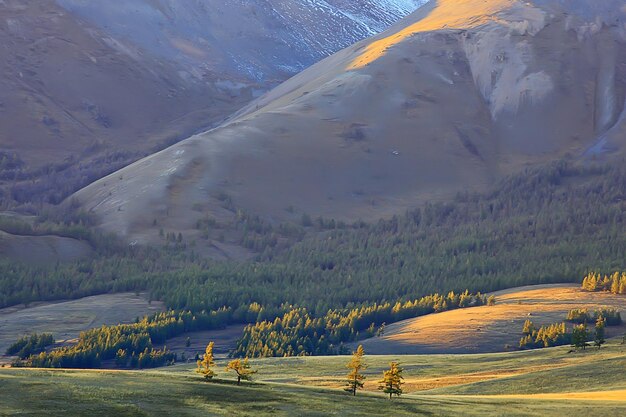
(536, 383)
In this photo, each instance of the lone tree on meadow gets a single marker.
(242, 369)
(598, 339)
(580, 335)
(356, 366)
(207, 363)
(392, 380)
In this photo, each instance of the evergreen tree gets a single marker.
(615, 286)
(392, 380)
(615, 283)
(242, 369)
(381, 330)
(356, 366)
(121, 358)
(207, 363)
(528, 328)
(598, 339)
(546, 336)
(30, 345)
(580, 335)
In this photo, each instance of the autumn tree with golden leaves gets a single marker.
(356, 366)
(207, 363)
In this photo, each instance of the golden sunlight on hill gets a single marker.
(444, 14)
(490, 328)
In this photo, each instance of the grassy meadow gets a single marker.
(590, 382)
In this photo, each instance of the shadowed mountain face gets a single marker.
(459, 94)
(88, 86)
(261, 41)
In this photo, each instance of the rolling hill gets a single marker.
(87, 87)
(491, 328)
(66, 319)
(454, 97)
(42, 249)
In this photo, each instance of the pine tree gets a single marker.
(615, 285)
(580, 336)
(392, 380)
(526, 341)
(528, 328)
(121, 358)
(242, 369)
(598, 339)
(356, 365)
(208, 362)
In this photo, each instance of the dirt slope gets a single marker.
(454, 97)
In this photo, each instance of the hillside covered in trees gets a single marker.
(548, 225)
(296, 332)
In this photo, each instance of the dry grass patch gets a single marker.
(490, 328)
(614, 395)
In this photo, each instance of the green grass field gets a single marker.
(437, 385)
(551, 370)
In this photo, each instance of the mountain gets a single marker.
(88, 86)
(456, 96)
(261, 41)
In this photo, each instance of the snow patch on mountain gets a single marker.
(258, 41)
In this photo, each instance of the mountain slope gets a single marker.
(67, 91)
(454, 97)
(261, 41)
(87, 87)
